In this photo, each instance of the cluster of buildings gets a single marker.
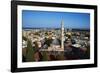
(57, 40)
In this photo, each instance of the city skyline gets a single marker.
(45, 19)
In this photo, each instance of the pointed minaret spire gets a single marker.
(62, 35)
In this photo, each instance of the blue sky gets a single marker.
(39, 19)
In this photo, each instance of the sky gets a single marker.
(48, 19)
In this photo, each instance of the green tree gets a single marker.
(45, 56)
(30, 52)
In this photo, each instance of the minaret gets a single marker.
(62, 35)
